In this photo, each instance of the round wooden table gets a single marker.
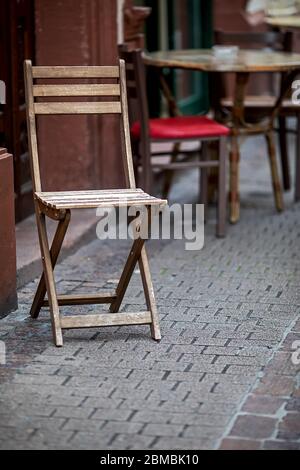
(246, 62)
(205, 60)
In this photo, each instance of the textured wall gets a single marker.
(77, 152)
(8, 296)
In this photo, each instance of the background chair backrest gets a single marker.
(93, 90)
(136, 89)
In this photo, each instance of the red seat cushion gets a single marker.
(182, 127)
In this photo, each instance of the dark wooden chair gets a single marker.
(57, 96)
(258, 106)
(174, 130)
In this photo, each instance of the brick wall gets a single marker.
(78, 152)
(8, 296)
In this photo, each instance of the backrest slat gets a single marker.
(76, 72)
(78, 108)
(76, 90)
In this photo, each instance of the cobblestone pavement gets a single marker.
(222, 376)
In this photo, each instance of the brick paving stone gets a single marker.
(131, 442)
(73, 412)
(281, 445)
(240, 444)
(180, 443)
(200, 419)
(221, 377)
(203, 431)
(90, 440)
(265, 405)
(289, 427)
(87, 425)
(252, 427)
(293, 404)
(275, 385)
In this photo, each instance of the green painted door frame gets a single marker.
(199, 35)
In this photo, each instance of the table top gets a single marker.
(288, 22)
(205, 60)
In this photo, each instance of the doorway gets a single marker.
(183, 24)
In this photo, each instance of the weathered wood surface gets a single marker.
(205, 60)
(79, 199)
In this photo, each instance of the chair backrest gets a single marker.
(136, 88)
(57, 96)
(275, 40)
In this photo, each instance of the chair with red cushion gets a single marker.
(175, 131)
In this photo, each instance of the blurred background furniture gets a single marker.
(259, 106)
(176, 129)
(245, 63)
(48, 100)
(292, 25)
(134, 20)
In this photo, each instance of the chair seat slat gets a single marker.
(78, 199)
(104, 204)
(103, 197)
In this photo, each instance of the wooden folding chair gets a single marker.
(50, 99)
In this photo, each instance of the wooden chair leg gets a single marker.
(54, 252)
(138, 254)
(274, 171)
(132, 259)
(49, 278)
(204, 180)
(234, 180)
(284, 153)
(149, 294)
(221, 212)
(297, 191)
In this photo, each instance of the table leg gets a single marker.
(274, 171)
(238, 120)
(234, 196)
